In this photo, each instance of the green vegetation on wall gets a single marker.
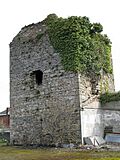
(108, 97)
(39, 36)
(80, 44)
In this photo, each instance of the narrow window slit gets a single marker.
(38, 76)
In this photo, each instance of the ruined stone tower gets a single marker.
(46, 101)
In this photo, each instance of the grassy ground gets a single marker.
(15, 153)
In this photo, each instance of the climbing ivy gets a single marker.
(80, 44)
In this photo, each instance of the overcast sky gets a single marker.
(14, 14)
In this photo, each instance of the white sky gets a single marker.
(14, 14)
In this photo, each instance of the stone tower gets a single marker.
(46, 102)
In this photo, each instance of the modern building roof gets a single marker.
(5, 112)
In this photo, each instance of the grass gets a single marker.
(17, 153)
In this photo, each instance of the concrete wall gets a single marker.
(111, 114)
(95, 118)
(92, 119)
(92, 122)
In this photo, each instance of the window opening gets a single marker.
(38, 76)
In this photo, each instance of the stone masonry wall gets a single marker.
(47, 113)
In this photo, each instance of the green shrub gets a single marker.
(108, 97)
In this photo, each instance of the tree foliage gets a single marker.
(80, 44)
